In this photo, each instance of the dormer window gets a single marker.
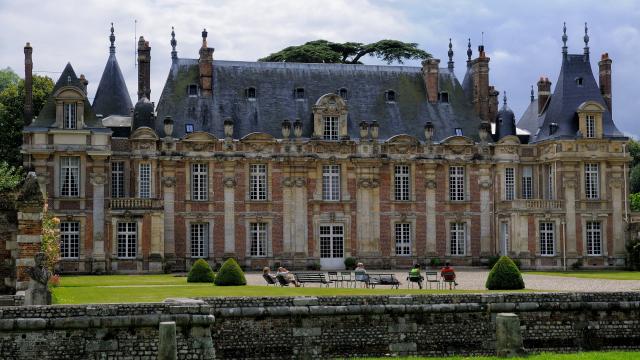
(299, 94)
(590, 125)
(188, 128)
(250, 93)
(443, 97)
(579, 81)
(69, 121)
(330, 128)
(390, 96)
(458, 131)
(590, 120)
(192, 90)
(343, 93)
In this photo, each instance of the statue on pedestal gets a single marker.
(38, 292)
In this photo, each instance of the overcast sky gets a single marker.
(522, 38)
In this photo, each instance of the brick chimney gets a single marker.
(205, 65)
(84, 82)
(480, 76)
(430, 69)
(605, 79)
(544, 92)
(28, 84)
(144, 69)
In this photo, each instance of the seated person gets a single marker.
(288, 276)
(361, 273)
(415, 276)
(267, 272)
(448, 273)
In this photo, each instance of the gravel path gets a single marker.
(474, 279)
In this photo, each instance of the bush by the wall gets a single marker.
(504, 276)
(577, 265)
(200, 272)
(350, 263)
(230, 274)
(435, 262)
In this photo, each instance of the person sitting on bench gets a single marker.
(290, 277)
(267, 272)
(415, 276)
(448, 274)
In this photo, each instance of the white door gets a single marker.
(331, 247)
(504, 238)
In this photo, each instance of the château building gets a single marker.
(301, 164)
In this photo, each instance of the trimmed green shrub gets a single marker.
(435, 262)
(230, 274)
(350, 263)
(200, 272)
(505, 276)
(577, 265)
(493, 260)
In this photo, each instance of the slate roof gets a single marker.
(112, 96)
(529, 120)
(47, 116)
(275, 85)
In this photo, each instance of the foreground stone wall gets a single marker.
(325, 327)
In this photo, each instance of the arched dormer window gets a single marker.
(390, 96)
(250, 93)
(69, 108)
(590, 119)
(330, 118)
(343, 93)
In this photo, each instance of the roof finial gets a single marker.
(204, 38)
(450, 53)
(532, 97)
(174, 53)
(469, 52)
(564, 38)
(112, 39)
(504, 99)
(586, 41)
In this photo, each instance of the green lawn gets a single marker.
(596, 355)
(155, 288)
(591, 274)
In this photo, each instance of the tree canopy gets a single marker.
(11, 113)
(8, 77)
(323, 51)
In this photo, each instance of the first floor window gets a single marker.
(258, 182)
(401, 182)
(127, 239)
(69, 116)
(594, 238)
(258, 239)
(199, 181)
(403, 239)
(144, 180)
(547, 238)
(456, 183)
(527, 182)
(330, 128)
(457, 233)
(591, 182)
(331, 182)
(70, 176)
(199, 240)
(509, 184)
(117, 179)
(69, 239)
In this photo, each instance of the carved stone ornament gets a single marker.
(300, 182)
(368, 183)
(98, 178)
(39, 273)
(485, 184)
(616, 183)
(569, 183)
(430, 184)
(127, 216)
(229, 182)
(199, 146)
(287, 182)
(509, 149)
(169, 181)
(144, 145)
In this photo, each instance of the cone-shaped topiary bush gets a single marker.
(200, 272)
(230, 274)
(505, 276)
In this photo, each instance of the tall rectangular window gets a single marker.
(509, 184)
(258, 182)
(199, 181)
(550, 181)
(127, 235)
(401, 182)
(69, 121)
(330, 128)
(69, 239)
(117, 179)
(594, 238)
(456, 183)
(591, 126)
(199, 240)
(144, 180)
(403, 239)
(331, 182)
(591, 181)
(258, 232)
(457, 240)
(70, 176)
(527, 182)
(547, 238)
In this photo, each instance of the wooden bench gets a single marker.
(383, 279)
(312, 278)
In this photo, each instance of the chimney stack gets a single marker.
(84, 82)
(544, 92)
(430, 76)
(493, 103)
(205, 64)
(480, 76)
(605, 79)
(28, 84)
(144, 69)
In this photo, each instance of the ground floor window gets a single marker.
(69, 239)
(594, 238)
(127, 239)
(403, 239)
(547, 238)
(199, 240)
(331, 241)
(457, 237)
(258, 239)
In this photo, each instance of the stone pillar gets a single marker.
(168, 191)
(485, 211)
(569, 184)
(508, 335)
(156, 250)
(430, 183)
(294, 210)
(229, 209)
(617, 190)
(368, 212)
(167, 347)
(29, 238)
(98, 180)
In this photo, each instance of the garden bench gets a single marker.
(383, 279)
(270, 279)
(312, 277)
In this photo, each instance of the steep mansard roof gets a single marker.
(567, 97)
(112, 96)
(275, 85)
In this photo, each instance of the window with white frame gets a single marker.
(550, 181)
(258, 182)
(591, 181)
(331, 182)
(590, 126)
(456, 183)
(69, 239)
(70, 176)
(258, 232)
(527, 182)
(69, 121)
(457, 237)
(330, 128)
(144, 180)
(127, 236)
(199, 182)
(117, 179)
(401, 182)
(547, 238)
(199, 235)
(403, 238)
(594, 238)
(509, 184)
